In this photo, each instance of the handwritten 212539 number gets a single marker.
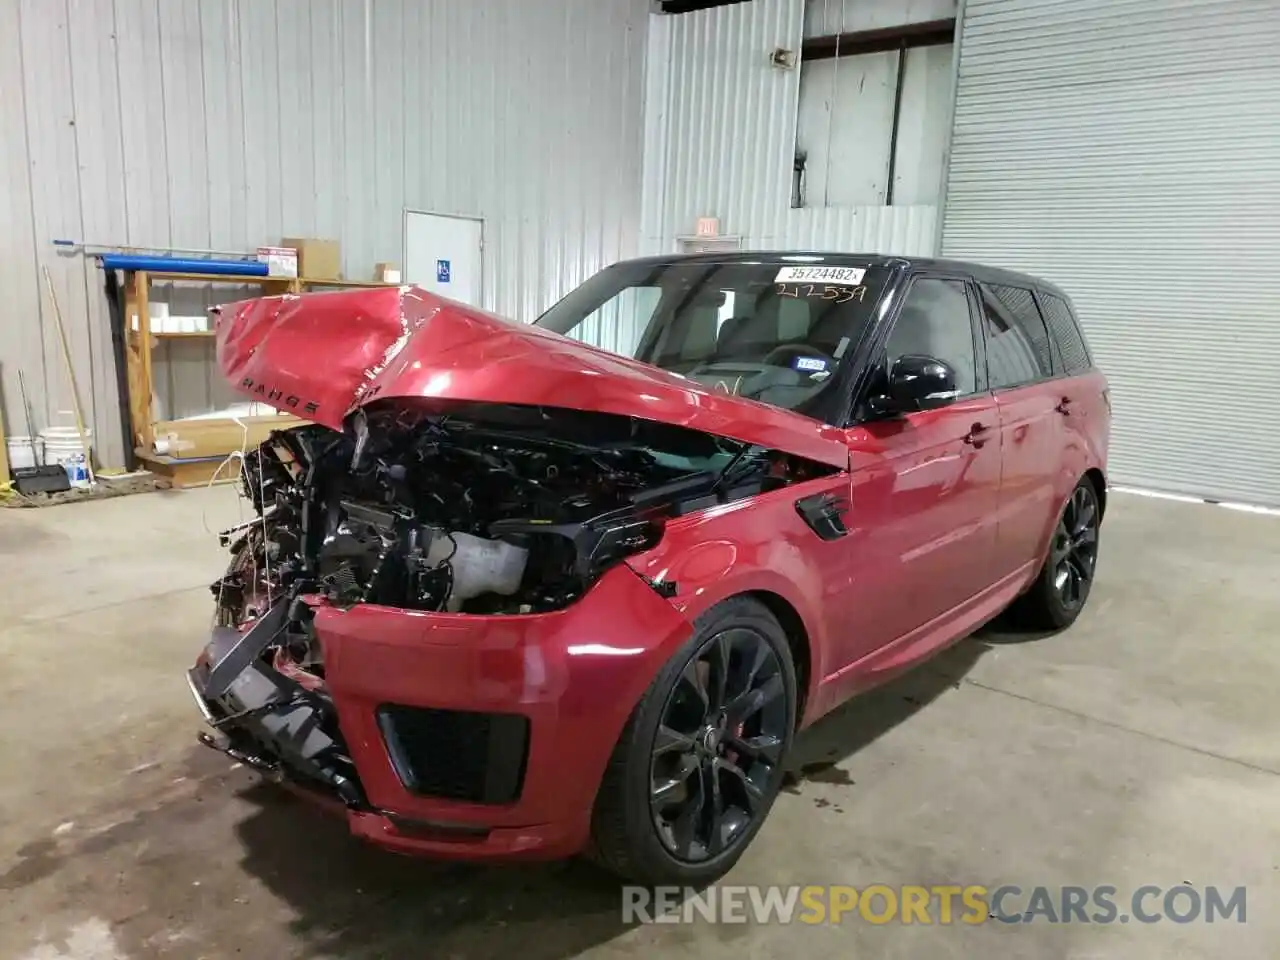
(838, 294)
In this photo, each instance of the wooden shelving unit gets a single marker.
(139, 339)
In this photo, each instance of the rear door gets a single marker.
(1021, 375)
(925, 485)
(1082, 392)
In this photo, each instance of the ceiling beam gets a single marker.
(688, 6)
(928, 33)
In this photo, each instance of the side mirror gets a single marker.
(919, 383)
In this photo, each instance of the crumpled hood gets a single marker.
(323, 355)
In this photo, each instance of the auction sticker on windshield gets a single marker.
(841, 275)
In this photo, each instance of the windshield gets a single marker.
(773, 332)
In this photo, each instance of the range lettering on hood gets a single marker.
(278, 398)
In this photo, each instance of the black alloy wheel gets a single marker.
(718, 744)
(1074, 554)
(1056, 597)
(700, 759)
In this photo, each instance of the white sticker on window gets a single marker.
(848, 276)
(810, 363)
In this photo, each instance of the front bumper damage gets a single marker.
(265, 718)
(450, 735)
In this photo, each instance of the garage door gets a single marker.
(1130, 151)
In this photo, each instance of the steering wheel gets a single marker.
(787, 351)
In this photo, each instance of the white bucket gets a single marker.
(62, 446)
(25, 451)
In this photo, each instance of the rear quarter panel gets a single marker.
(1087, 428)
(1086, 436)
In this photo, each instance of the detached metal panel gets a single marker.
(1130, 151)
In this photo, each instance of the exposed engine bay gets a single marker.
(484, 509)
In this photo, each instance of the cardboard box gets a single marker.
(281, 261)
(386, 273)
(317, 259)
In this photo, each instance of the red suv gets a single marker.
(510, 595)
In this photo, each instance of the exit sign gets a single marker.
(707, 227)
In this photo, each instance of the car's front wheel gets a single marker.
(1066, 579)
(700, 761)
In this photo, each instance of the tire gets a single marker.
(647, 825)
(1051, 603)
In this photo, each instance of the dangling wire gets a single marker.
(238, 456)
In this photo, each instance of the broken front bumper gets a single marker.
(449, 734)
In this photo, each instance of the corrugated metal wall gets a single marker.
(720, 140)
(1130, 150)
(232, 123)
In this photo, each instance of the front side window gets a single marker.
(1017, 343)
(934, 322)
(772, 332)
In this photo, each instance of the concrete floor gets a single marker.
(1141, 747)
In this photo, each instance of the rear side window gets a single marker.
(1066, 334)
(1017, 342)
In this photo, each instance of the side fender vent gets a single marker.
(824, 513)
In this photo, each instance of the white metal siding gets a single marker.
(1130, 151)
(232, 123)
(720, 140)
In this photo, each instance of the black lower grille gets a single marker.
(456, 754)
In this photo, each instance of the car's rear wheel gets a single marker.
(1066, 579)
(700, 761)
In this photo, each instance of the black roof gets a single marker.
(818, 257)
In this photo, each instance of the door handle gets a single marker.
(976, 435)
(1064, 406)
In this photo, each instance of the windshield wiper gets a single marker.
(747, 455)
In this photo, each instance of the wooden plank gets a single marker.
(246, 278)
(191, 439)
(184, 474)
(142, 296)
(133, 360)
(306, 282)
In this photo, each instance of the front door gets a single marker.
(924, 485)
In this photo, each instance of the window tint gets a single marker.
(1017, 342)
(934, 322)
(1071, 345)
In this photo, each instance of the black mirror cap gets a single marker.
(918, 382)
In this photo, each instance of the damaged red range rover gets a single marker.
(509, 595)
